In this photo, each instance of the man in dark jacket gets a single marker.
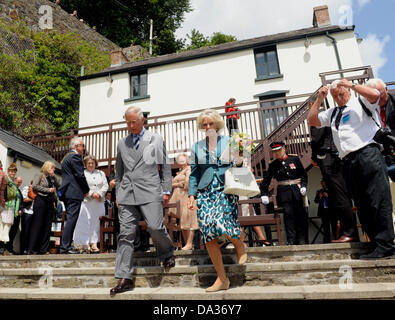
(292, 184)
(324, 154)
(73, 189)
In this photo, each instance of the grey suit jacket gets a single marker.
(142, 175)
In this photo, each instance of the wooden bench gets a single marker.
(169, 220)
(260, 220)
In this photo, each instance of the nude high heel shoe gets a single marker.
(217, 287)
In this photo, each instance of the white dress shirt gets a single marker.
(356, 129)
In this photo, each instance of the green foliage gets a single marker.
(39, 88)
(199, 40)
(126, 21)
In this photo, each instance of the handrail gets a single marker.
(173, 115)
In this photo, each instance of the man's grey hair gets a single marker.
(75, 141)
(373, 83)
(133, 109)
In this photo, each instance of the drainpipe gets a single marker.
(336, 52)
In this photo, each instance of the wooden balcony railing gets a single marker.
(265, 124)
(179, 130)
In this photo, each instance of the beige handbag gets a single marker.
(240, 181)
(7, 216)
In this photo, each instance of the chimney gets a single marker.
(118, 58)
(321, 16)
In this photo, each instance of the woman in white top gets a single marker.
(87, 229)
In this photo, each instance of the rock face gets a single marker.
(62, 21)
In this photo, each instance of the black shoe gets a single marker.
(169, 262)
(2, 250)
(377, 254)
(11, 251)
(122, 286)
(70, 252)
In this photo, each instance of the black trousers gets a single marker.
(339, 198)
(296, 221)
(232, 125)
(367, 174)
(25, 231)
(329, 223)
(40, 233)
(72, 212)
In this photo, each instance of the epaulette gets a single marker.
(272, 161)
(293, 155)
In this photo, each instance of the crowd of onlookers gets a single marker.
(35, 207)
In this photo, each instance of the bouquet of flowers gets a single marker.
(241, 143)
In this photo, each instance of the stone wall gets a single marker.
(63, 21)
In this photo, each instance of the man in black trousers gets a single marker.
(354, 124)
(73, 189)
(292, 184)
(324, 153)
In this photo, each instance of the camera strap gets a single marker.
(368, 112)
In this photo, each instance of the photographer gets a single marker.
(353, 133)
(324, 154)
(387, 117)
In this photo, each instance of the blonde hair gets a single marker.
(90, 157)
(183, 155)
(213, 115)
(46, 166)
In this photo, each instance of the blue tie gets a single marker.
(136, 142)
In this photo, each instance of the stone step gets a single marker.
(295, 273)
(374, 290)
(193, 257)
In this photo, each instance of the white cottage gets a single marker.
(279, 65)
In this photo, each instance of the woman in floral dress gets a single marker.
(217, 211)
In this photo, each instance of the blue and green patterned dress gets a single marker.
(217, 212)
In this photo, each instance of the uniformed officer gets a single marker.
(292, 183)
(354, 125)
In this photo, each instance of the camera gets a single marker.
(384, 136)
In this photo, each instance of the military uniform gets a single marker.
(291, 175)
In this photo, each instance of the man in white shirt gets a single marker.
(353, 133)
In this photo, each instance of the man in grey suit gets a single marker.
(143, 188)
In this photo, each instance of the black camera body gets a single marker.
(385, 137)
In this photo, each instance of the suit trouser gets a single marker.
(367, 174)
(129, 216)
(25, 230)
(332, 170)
(295, 220)
(392, 186)
(329, 223)
(73, 207)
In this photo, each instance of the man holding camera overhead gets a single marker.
(354, 123)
